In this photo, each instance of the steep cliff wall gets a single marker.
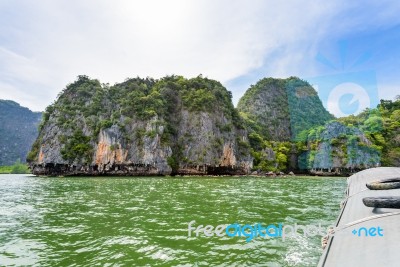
(276, 111)
(142, 127)
(338, 148)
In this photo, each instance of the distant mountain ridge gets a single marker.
(18, 130)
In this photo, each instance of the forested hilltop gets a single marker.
(279, 109)
(18, 130)
(175, 125)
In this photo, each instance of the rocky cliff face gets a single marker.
(276, 111)
(18, 130)
(282, 108)
(142, 127)
(339, 149)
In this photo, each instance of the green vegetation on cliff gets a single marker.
(382, 127)
(77, 146)
(390, 136)
(336, 146)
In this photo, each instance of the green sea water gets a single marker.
(144, 221)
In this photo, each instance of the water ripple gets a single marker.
(144, 221)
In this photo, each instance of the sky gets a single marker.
(348, 51)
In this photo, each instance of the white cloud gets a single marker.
(49, 43)
(387, 91)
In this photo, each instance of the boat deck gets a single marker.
(352, 245)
